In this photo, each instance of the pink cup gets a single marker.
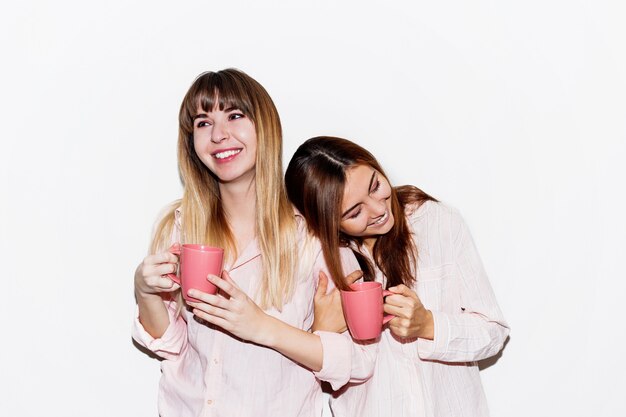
(195, 264)
(363, 309)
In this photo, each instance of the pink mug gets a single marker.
(363, 309)
(195, 264)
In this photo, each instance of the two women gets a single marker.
(246, 352)
(447, 317)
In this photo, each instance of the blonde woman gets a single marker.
(243, 352)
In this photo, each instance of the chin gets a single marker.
(388, 226)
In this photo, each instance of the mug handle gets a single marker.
(175, 249)
(387, 317)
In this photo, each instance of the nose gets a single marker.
(219, 132)
(377, 207)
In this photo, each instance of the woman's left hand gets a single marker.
(412, 319)
(236, 313)
(327, 308)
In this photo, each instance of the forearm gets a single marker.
(463, 337)
(153, 314)
(296, 344)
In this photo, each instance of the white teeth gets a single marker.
(226, 154)
(382, 219)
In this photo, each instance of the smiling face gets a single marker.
(366, 204)
(226, 142)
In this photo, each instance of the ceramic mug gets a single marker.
(363, 309)
(196, 262)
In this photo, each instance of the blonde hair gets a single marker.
(203, 218)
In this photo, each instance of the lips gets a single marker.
(382, 220)
(226, 154)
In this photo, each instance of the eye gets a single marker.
(355, 214)
(236, 116)
(202, 123)
(376, 186)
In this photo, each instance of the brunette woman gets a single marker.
(447, 317)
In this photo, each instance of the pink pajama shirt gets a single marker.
(208, 372)
(438, 378)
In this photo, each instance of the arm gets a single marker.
(157, 325)
(332, 357)
(239, 315)
(345, 359)
(477, 330)
(149, 284)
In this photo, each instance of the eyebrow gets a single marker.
(368, 188)
(201, 115)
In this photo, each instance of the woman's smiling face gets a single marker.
(226, 142)
(366, 205)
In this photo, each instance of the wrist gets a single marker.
(428, 326)
(268, 330)
(147, 297)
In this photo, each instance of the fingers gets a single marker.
(404, 296)
(165, 284)
(322, 286)
(354, 277)
(175, 248)
(400, 301)
(160, 258)
(216, 320)
(207, 298)
(395, 310)
(226, 284)
(400, 327)
(210, 309)
(162, 269)
(397, 300)
(404, 290)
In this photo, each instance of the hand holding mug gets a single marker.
(196, 263)
(328, 312)
(150, 274)
(232, 310)
(412, 318)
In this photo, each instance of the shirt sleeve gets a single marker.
(172, 342)
(478, 329)
(345, 359)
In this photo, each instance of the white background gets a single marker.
(513, 112)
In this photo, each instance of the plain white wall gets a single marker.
(514, 112)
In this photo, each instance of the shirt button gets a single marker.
(209, 402)
(215, 361)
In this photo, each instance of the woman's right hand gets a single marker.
(149, 275)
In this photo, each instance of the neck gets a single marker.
(369, 244)
(239, 203)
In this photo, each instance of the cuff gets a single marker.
(337, 359)
(435, 349)
(171, 343)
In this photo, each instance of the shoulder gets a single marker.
(302, 229)
(434, 214)
(426, 211)
(171, 212)
(306, 241)
(178, 215)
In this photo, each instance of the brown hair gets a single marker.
(203, 218)
(315, 180)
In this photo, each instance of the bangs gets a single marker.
(217, 91)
